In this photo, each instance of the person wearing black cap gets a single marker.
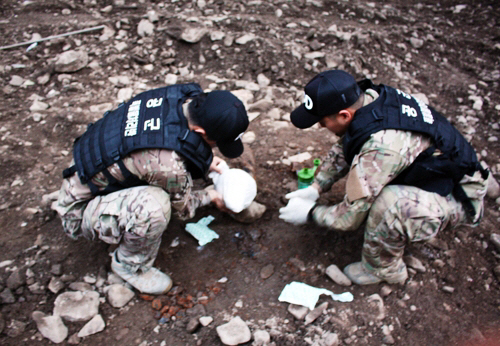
(131, 167)
(410, 173)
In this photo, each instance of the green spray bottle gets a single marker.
(306, 175)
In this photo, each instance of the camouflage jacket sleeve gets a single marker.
(166, 169)
(333, 168)
(381, 158)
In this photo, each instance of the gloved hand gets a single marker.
(310, 193)
(296, 211)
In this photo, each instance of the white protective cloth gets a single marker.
(237, 187)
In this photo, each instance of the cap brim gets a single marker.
(302, 119)
(231, 149)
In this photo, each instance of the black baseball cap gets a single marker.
(326, 94)
(224, 119)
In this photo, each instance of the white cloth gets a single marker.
(237, 187)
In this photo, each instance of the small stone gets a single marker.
(6, 297)
(298, 311)
(337, 275)
(119, 295)
(16, 80)
(385, 291)
(95, 325)
(16, 280)
(80, 286)
(314, 314)
(56, 269)
(330, 339)
(193, 35)
(448, 289)
(145, 28)
(261, 338)
(15, 328)
(414, 263)
(196, 311)
(234, 332)
(55, 285)
(267, 271)
(192, 325)
(495, 239)
(74, 339)
(298, 263)
(206, 320)
(388, 339)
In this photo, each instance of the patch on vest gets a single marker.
(132, 119)
(412, 112)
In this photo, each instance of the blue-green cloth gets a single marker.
(201, 232)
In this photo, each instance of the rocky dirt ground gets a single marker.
(265, 51)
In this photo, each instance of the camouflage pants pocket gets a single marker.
(134, 218)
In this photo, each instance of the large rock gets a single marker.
(71, 61)
(234, 332)
(77, 306)
(51, 327)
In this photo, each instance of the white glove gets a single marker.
(296, 211)
(310, 193)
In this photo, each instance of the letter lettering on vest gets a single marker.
(410, 111)
(154, 102)
(150, 123)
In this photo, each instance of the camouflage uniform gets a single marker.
(135, 218)
(395, 214)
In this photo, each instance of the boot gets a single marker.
(152, 281)
(250, 214)
(358, 274)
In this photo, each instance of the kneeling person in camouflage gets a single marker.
(134, 165)
(410, 173)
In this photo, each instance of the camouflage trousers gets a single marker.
(134, 218)
(399, 216)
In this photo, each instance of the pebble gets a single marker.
(55, 285)
(261, 337)
(192, 325)
(267, 272)
(234, 332)
(337, 275)
(414, 263)
(95, 325)
(314, 314)
(495, 239)
(206, 320)
(298, 311)
(16, 280)
(80, 286)
(448, 289)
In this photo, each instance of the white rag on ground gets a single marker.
(302, 294)
(201, 232)
(237, 187)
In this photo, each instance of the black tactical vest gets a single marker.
(152, 119)
(394, 109)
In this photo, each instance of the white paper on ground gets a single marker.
(302, 294)
(201, 232)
